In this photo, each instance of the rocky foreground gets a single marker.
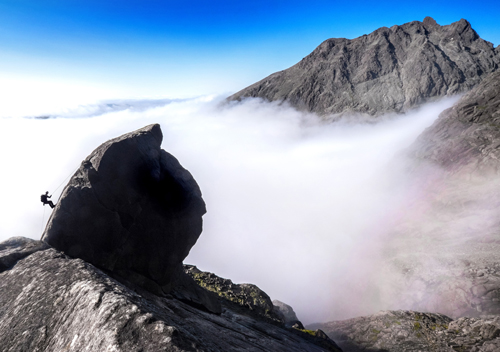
(51, 302)
(389, 70)
(410, 331)
(108, 275)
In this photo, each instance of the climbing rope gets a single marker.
(43, 218)
(66, 179)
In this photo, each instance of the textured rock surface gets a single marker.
(389, 70)
(466, 137)
(16, 248)
(130, 208)
(245, 295)
(442, 252)
(253, 300)
(289, 316)
(51, 302)
(409, 331)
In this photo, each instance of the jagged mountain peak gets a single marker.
(389, 70)
(430, 22)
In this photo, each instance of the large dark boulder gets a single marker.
(130, 209)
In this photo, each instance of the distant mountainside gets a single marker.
(466, 136)
(442, 251)
(389, 70)
(443, 248)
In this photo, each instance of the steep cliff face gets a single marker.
(51, 302)
(389, 70)
(466, 137)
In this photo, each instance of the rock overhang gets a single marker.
(131, 209)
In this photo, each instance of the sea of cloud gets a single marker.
(295, 205)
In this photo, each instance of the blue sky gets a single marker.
(154, 48)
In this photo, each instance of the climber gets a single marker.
(44, 199)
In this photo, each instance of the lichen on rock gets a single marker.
(245, 295)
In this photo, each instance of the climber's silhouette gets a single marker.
(44, 199)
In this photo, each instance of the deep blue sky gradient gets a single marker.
(188, 48)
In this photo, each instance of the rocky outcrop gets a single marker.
(130, 209)
(255, 301)
(50, 302)
(389, 70)
(409, 331)
(289, 317)
(17, 248)
(245, 295)
(466, 137)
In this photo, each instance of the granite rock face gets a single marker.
(130, 209)
(389, 70)
(466, 137)
(409, 331)
(50, 302)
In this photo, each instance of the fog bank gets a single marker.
(295, 205)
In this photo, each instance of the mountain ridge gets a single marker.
(389, 70)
